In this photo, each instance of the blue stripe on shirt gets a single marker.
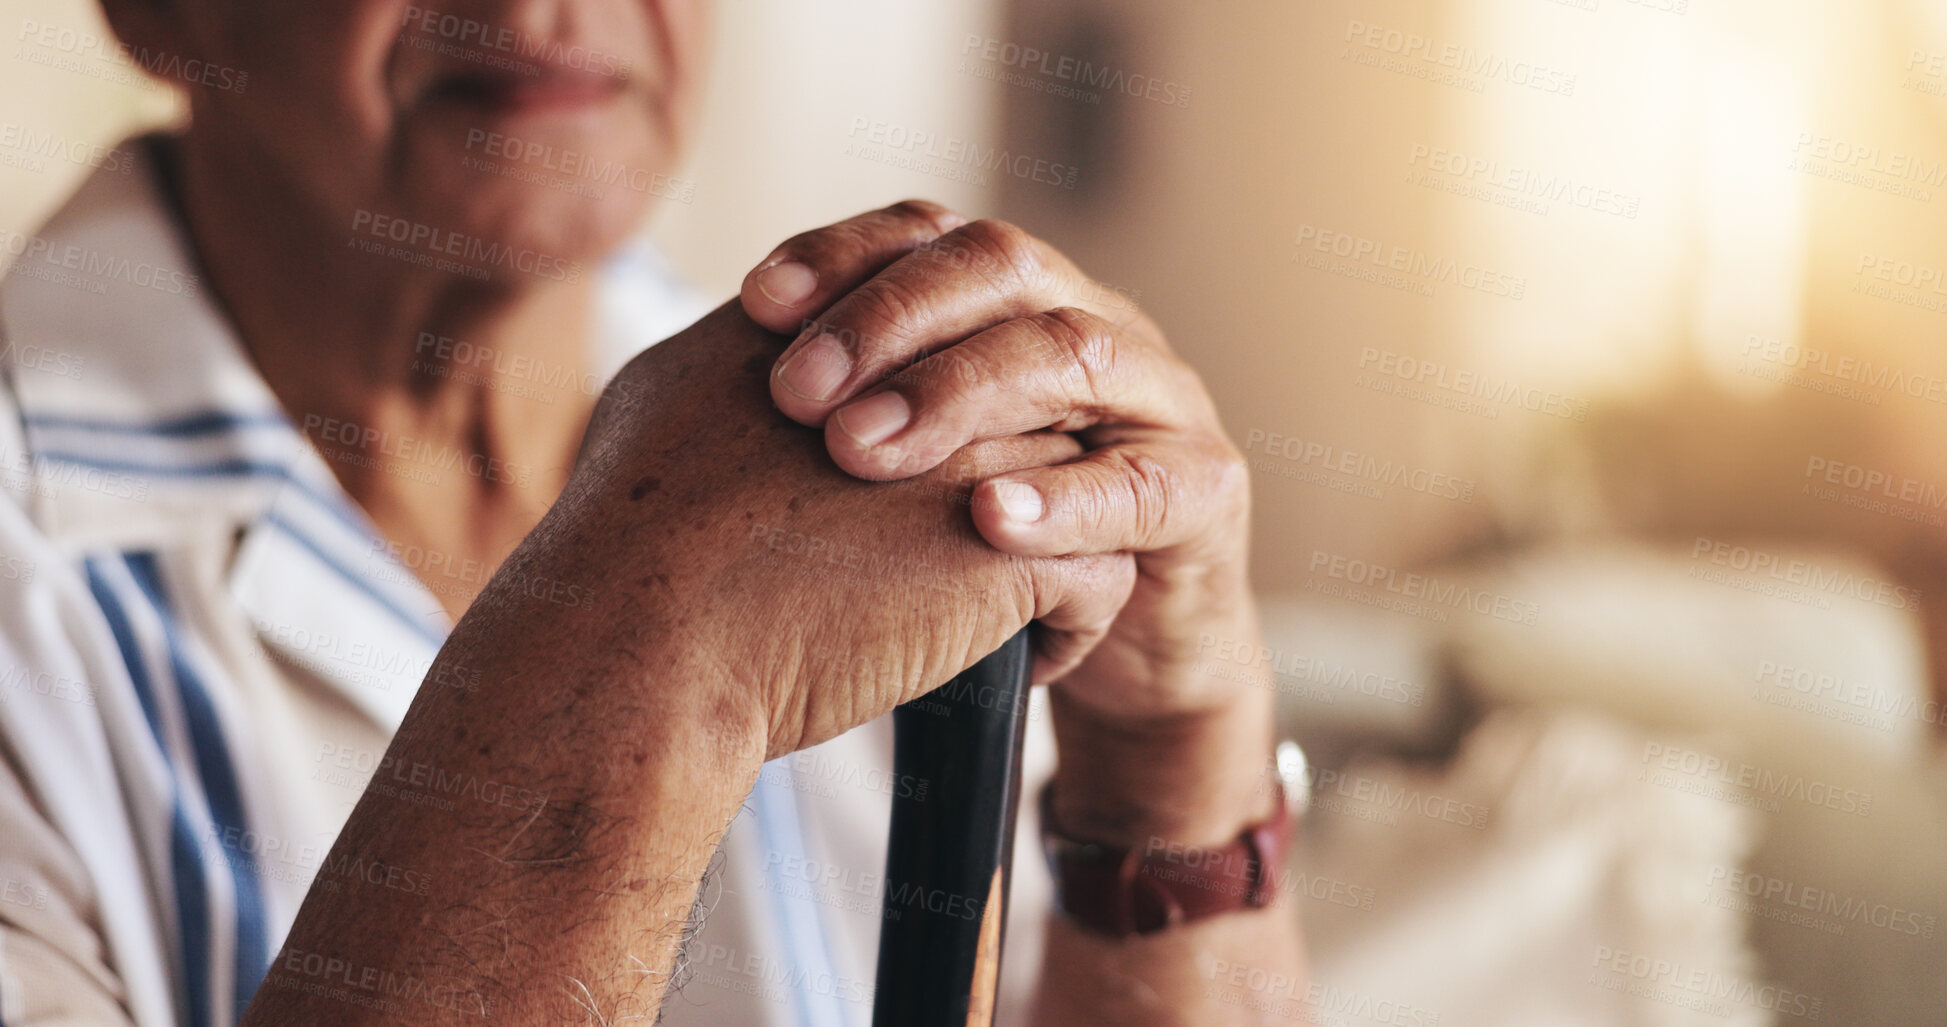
(249, 468)
(185, 858)
(418, 624)
(202, 422)
(229, 467)
(220, 786)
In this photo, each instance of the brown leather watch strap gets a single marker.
(1123, 891)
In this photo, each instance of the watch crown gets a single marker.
(1295, 772)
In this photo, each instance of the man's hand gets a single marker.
(826, 601)
(917, 334)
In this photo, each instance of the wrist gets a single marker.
(649, 672)
(1194, 780)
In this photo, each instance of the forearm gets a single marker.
(1192, 785)
(1180, 976)
(595, 784)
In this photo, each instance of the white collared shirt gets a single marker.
(205, 648)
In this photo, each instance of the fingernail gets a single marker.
(1021, 502)
(817, 370)
(875, 419)
(787, 284)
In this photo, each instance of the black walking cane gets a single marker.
(947, 863)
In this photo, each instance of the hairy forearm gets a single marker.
(1195, 785)
(557, 882)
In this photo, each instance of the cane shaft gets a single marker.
(947, 865)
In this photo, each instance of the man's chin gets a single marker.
(516, 225)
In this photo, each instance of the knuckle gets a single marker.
(1083, 341)
(934, 217)
(1153, 487)
(1230, 479)
(1007, 247)
(950, 376)
(821, 248)
(893, 227)
(1092, 496)
(880, 313)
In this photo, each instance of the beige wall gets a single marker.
(96, 105)
(1692, 118)
(789, 82)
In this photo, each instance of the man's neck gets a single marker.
(448, 407)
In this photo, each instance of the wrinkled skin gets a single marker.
(824, 600)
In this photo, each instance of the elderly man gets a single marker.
(366, 667)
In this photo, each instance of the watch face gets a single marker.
(1294, 772)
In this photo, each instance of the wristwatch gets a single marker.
(1123, 891)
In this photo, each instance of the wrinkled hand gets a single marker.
(721, 528)
(919, 334)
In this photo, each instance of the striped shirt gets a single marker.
(205, 647)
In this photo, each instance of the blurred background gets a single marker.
(1591, 358)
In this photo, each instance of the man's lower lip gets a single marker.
(518, 94)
